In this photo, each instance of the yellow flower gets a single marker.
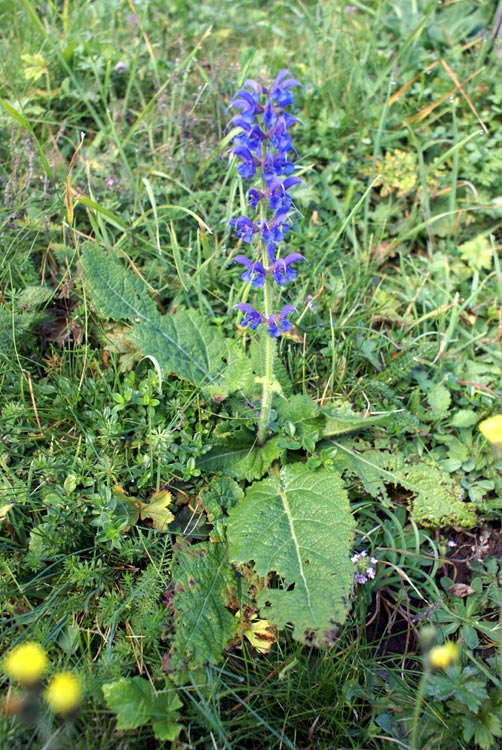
(441, 657)
(492, 430)
(64, 693)
(26, 664)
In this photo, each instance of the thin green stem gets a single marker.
(268, 375)
(419, 700)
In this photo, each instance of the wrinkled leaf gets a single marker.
(183, 343)
(203, 582)
(239, 456)
(298, 526)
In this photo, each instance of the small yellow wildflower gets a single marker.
(64, 693)
(441, 657)
(492, 430)
(26, 663)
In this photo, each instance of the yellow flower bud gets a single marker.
(441, 657)
(64, 693)
(492, 430)
(26, 663)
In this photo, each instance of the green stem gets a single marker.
(419, 700)
(268, 375)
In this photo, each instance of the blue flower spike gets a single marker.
(263, 149)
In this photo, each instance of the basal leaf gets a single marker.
(341, 420)
(217, 499)
(183, 343)
(369, 466)
(116, 293)
(298, 525)
(436, 498)
(235, 375)
(204, 582)
(136, 702)
(239, 456)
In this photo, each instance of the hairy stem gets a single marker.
(268, 375)
(419, 700)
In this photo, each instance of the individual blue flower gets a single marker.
(255, 271)
(244, 228)
(271, 247)
(277, 194)
(279, 137)
(281, 270)
(247, 167)
(278, 324)
(275, 231)
(252, 137)
(247, 103)
(254, 197)
(280, 93)
(276, 164)
(252, 317)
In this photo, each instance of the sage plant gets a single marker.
(264, 151)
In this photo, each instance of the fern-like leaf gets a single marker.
(433, 496)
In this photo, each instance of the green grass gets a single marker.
(112, 117)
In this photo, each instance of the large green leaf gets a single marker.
(298, 525)
(239, 456)
(115, 292)
(204, 582)
(183, 343)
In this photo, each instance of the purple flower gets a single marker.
(360, 578)
(275, 165)
(277, 324)
(271, 251)
(244, 228)
(262, 146)
(279, 93)
(255, 271)
(279, 137)
(254, 197)
(275, 231)
(251, 138)
(248, 103)
(247, 167)
(277, 192)
(252, 317)
(281, 271)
